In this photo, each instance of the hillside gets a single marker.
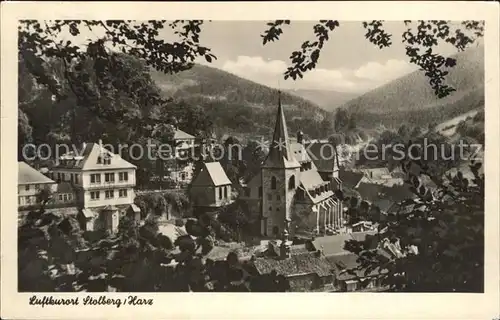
(239, 106)
(328, 100)
(215, 84)
(411, 99)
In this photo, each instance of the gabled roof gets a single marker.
(350, 179)
(280, 153)
(29, 175)
(87, 159)
(179, 134)
(211, 174)
(299, 151)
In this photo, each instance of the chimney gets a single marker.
(300, 137)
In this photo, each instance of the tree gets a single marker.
(437, 241)
(341, 120)
(420, 38)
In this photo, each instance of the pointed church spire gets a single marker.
(280, 153)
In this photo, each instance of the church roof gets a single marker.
(212, 174)
(280, 152)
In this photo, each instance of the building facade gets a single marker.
(211, 188)
(289, 190)
(103, 183)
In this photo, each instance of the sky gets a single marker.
(348, 62)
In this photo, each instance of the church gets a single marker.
(289, 193)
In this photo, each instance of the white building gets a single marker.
(29, 184)
(104, 184)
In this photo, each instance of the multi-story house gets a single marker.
(29, 184)
(33, 187)
(104, 184)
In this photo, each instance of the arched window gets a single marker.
(220, 193)
(225, 192)
(273, 183)
(291, 183)
(276, 230)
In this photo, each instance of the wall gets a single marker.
(203, 196)
(31, 194)
(303, 218)
(116, 200)
(274, 209)
(303, 283)
(87, 184)
(65, 175)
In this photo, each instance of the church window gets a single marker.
(278, 197)
(276, 230)
(273, 183)
(300, 194)
(225, 192)
(291, 183)
(220, 193)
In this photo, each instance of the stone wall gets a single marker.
(276, 204)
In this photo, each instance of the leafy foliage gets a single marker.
(419, 36)
(436, 241)
(55, 255)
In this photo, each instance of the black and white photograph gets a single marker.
(249, 156)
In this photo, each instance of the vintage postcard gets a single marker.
(208, 160)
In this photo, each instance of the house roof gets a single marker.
(29, 175)
(87, 159)
(211, 174)
(376, 192)
(334, 245)
(179, 134)
(304, 263)
(346, 262)
(350, 179)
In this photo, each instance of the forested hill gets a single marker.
(239, 106)
(411, 98)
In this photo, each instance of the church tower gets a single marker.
(280, 178)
